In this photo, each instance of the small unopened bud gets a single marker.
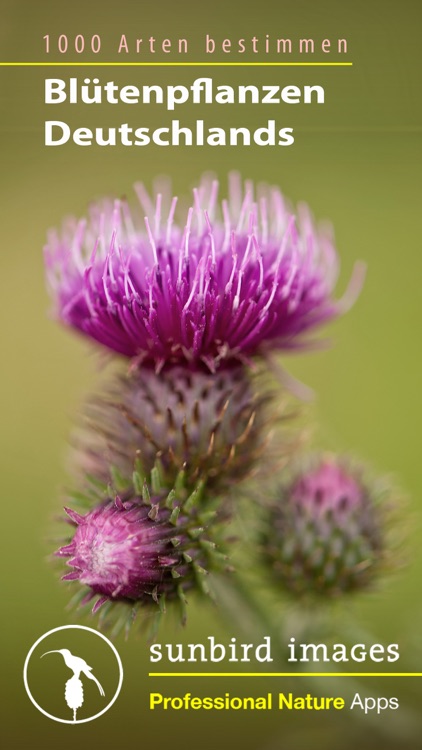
(326, 533)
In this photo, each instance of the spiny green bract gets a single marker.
(214, 425)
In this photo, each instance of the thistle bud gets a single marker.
(325, 536)
(140, 549)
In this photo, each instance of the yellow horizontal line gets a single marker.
(285, 674)
(172, 64)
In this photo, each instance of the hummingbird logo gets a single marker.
(74, 691)
(77, 690)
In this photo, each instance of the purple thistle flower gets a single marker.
(227, 285)
(326, 534)
(132, 551)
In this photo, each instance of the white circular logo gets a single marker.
(73, 674)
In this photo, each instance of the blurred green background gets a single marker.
(356, 161)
